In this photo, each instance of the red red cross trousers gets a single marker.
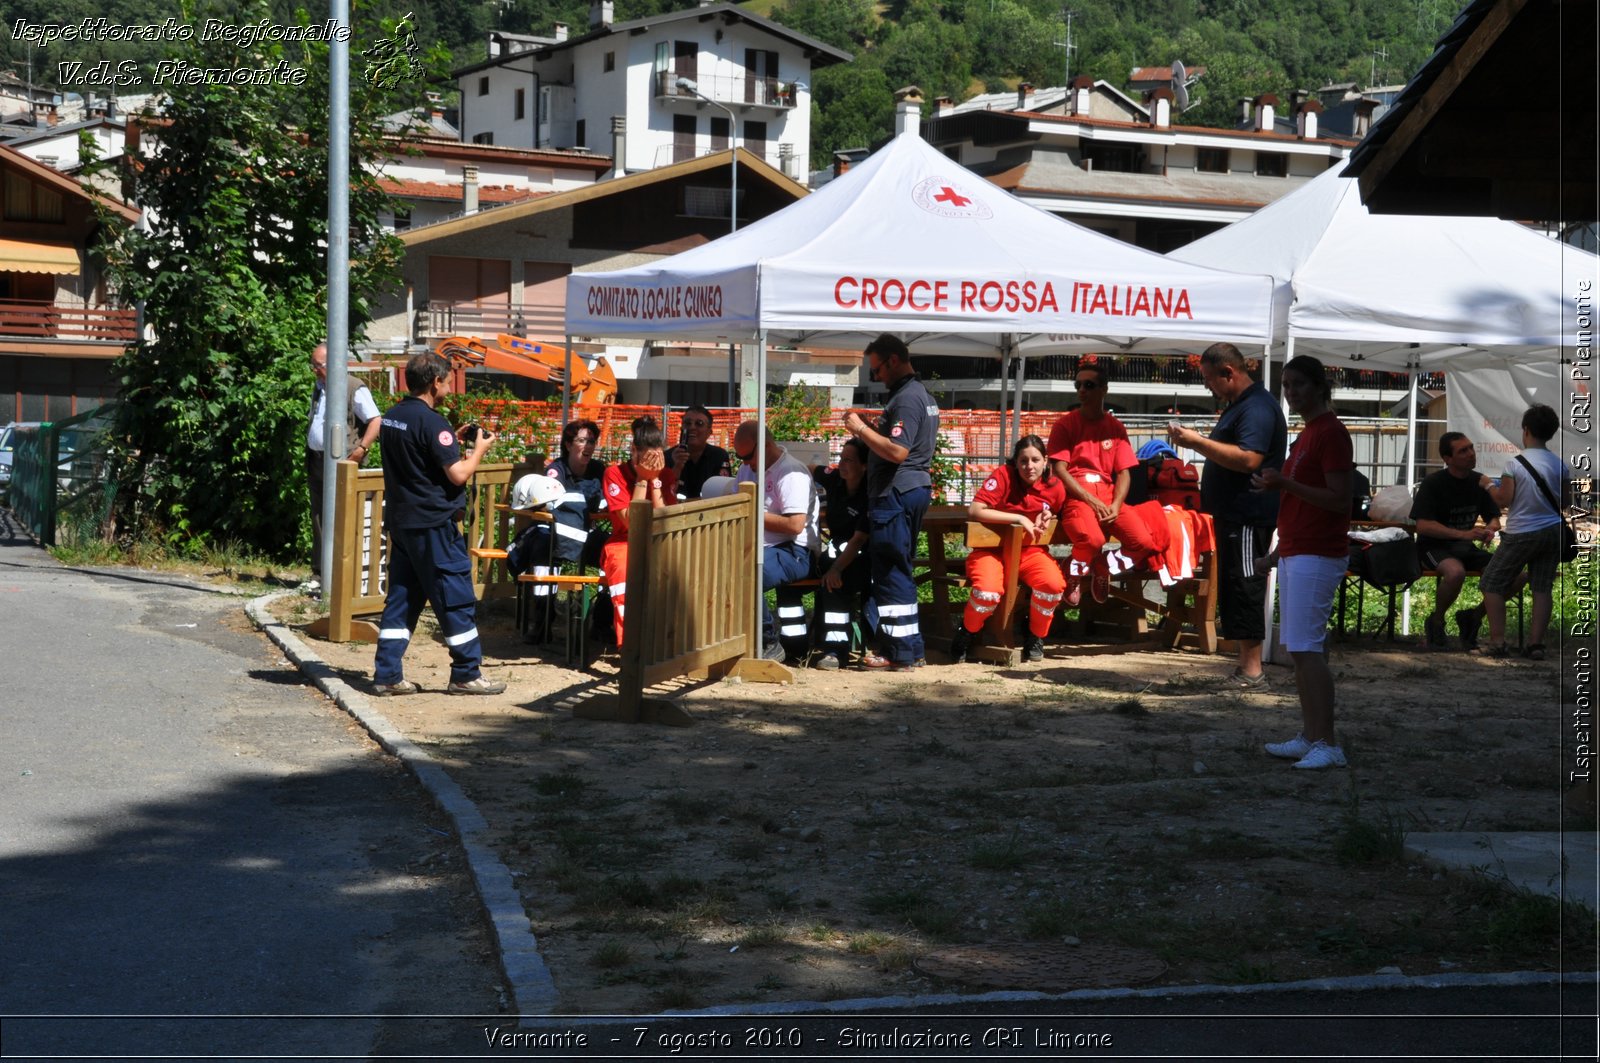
(952, 197)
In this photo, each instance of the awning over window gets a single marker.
(28, 256)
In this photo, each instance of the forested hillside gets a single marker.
(948, 47)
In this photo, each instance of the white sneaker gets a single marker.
(1294, 749)
(1321, 755)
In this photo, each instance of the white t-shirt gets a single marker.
(1529, 511)
(790, 490)
(362, 402)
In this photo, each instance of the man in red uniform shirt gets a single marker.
(1092, 457)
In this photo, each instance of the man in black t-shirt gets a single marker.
(424, 476)
(1446, 510)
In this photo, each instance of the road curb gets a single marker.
(533, 991)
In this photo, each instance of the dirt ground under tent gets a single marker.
(860, 834)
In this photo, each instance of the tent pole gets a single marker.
(761, 482)
(1005, 381)
(1411, 478)
(1272, 574)
(1016, 412)
(566, 391)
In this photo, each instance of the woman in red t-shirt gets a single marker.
(1312, 555)
(1023, 492)
(643, 478)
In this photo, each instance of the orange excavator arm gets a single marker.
(537, 360)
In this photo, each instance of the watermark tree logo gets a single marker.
(392, 60)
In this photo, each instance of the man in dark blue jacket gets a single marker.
(424, 476)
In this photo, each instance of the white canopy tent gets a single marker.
(910, 242)
(1404, 293)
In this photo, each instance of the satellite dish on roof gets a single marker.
(1180, 87)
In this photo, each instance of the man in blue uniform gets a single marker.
(423, 479)
(1250, 435)
(901, 445)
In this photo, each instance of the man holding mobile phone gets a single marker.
(695, 460)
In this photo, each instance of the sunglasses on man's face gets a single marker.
(1086, 385)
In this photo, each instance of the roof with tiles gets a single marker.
(451, 192)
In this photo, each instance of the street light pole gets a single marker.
(733, 128)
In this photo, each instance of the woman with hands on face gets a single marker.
(1027, 493)
(644, 477)
(1312, 555)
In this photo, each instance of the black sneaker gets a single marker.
(1433, 630)
(1468, 621)
(1033, 649)
(960, 643)
(775, 652)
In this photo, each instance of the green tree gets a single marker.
(852, 106)
(231, 273)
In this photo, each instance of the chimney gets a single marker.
(942, 105)
(908, 111)
(1161, 108)
(841, 163)
(1024, 90)
(1264, 105)
(1363, 120)
(1245, 106)
(1079, 92)
(786, 161)
(1305, 118)
(469, 189)
(619, 145)
(600, 14)
(1296, 98)
(561, 31)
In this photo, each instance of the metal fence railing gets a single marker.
(59, 474)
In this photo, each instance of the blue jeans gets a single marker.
(781, 564)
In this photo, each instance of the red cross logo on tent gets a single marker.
(949, 199)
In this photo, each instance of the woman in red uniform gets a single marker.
(645, 477)
(1026, 493)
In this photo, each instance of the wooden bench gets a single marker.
(1392, 608)
(583, 584)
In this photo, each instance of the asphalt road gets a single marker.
(199, 854)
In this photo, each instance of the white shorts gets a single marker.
(1306, 586)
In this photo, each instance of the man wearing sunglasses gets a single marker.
(900, 443)
(695, 460)
(1093, 457)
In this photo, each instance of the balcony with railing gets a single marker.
(28, 319)
(744, 91)
(535, 321)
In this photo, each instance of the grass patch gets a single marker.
(915, 908)
(1369, 841)
(1130, 707)
(1005, 855)
(1229, 845)
(1052, 919)
(564, 787)
(764, 936)
(690, 808)
(870, 942)
(611, 955)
